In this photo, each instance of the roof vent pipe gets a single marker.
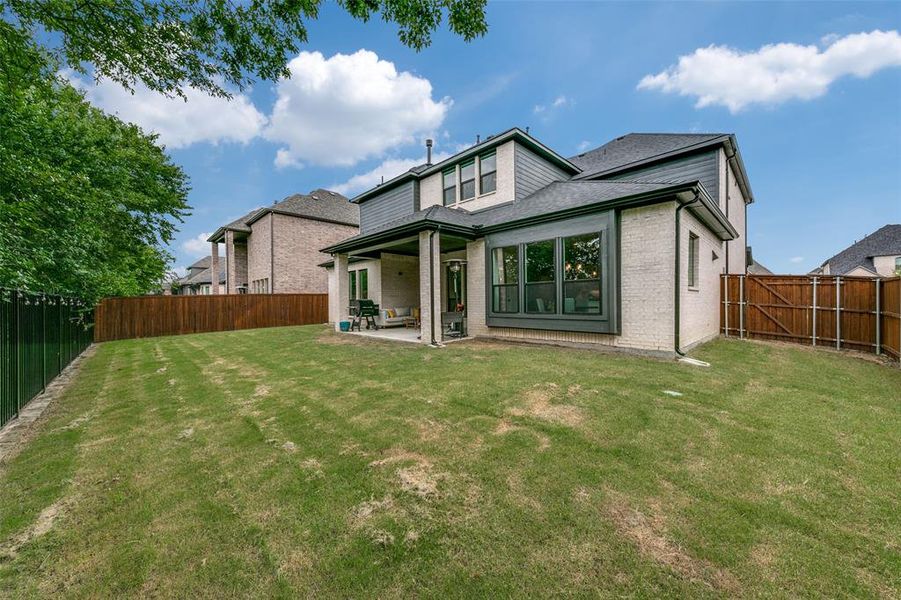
(478, 138)
(428, 151)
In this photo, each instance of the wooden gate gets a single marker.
(859, 313)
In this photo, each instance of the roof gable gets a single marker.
(885, 241)
(634, 149)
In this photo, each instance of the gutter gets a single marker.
(677, 292)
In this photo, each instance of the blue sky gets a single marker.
(821, 143)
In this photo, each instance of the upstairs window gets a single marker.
(541, 277)
(468, 180)
(488, 173)
(694, 243)
(450, 186)
(898, 265)
(505, 280)
(582, 274)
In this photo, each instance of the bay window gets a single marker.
(541, 287)
(582, 274)
(559, 276)
(505, 280)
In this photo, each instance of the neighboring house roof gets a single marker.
(203, 263)
(205, 276)
(554, 201)
(318, 205)
(885, 241)
(515, 133)
(755, 268)
(635, 150)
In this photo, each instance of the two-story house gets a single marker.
(198, 279)
(876, 255)
(275, 249)
(619, 246)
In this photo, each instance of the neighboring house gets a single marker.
(199, 279)
(276, 249)
(755, 268)
(878, 254)
(620, 246)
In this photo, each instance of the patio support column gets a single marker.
(430, 286)
(214, 267)
(342, 289)
(231, 286)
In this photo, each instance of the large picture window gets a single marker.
(582, 274)
(450, 186)
(541, 286)
(488, 173)
(505, 280)
(468, 180)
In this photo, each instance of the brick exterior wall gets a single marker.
(297, 255)
(259, 251)
(399, 281)
(236, 255)
(699, 314)
(646, 294)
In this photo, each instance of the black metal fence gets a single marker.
(40, 334)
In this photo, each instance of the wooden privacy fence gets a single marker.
(152, 316)
(858, 313)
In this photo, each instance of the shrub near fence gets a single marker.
(40, 334)
(152, 316)
(856, 313)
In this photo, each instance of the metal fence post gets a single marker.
(838, 313)
(814, 314)
(726, 302)
(43, 343)
(878, 321)
(17, 347)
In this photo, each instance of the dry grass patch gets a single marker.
(539, 404)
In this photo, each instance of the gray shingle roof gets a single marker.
(636, 148)
(885, 241)
(203, 263)
(563, 195)
(205, 276)
(557, 197)
(319, 204)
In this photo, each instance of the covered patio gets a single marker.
(437, 252)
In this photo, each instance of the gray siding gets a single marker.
(393, 204)
(531, 172)
(699, 167)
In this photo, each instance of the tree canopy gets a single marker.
(212, 45)
(87, 202)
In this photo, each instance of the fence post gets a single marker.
(726, 302)
(838, 313)
(43, 343)
(741, 306)
(17, 346)
(814, 316)
(878, 321)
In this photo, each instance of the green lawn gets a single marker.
(297, 462)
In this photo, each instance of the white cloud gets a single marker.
(344, 109)
(197, 246)
(796, 259)
(583, 146)
(557, 103)
(388, 169)
(179, 122)
(775, 73)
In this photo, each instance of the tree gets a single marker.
(211, 45)
(87, 202)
